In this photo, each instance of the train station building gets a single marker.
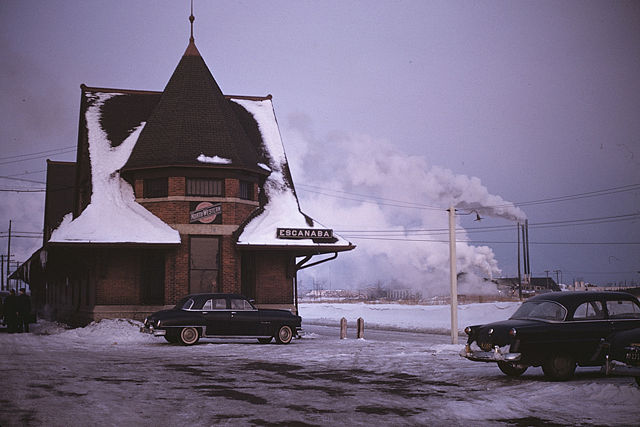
(182, 191)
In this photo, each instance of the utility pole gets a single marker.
(557, 276)
(2, 271)
(454, 277)
(8, 253)
(546, 283)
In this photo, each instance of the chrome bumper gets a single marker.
(495, 355)
(612, 367)
(151, 330)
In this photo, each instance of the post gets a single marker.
(9, 254)
(343, 328)
(360, 328)
(454, 277)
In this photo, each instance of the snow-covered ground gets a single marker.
(110, 374)
(419, 318)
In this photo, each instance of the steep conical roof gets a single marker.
(192, 118)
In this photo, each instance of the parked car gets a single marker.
(221, 315)
(555, 330)
(623, 354)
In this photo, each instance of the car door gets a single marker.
(244, 319)
(217, 317)
(587, 331)
(623, 314)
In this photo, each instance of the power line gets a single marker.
(45, 152)
(27, 157)
(413, 205)
(23, 180)
(548, 224)
(484, 242)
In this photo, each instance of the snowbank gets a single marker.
(419, 318)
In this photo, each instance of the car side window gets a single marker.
(240, 304)
(623, 309)
(215, 304)
(591, 310)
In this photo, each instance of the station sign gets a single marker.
(205, 213)
(304, 233)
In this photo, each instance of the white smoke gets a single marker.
(368, 179)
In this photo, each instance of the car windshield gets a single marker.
(540, 310)
(185, 303)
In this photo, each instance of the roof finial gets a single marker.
(191, 19)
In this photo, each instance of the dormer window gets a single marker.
(205, 187)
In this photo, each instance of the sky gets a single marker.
(389, 111)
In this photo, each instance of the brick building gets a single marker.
(174, 192)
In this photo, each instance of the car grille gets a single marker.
(485, 346)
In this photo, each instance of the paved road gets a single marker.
(390, 378)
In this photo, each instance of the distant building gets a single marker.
(174, 192)
(535, 285)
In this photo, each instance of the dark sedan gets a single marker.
(221, 316)
(556, 330)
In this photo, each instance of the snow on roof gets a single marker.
(282, 209)
(113, 216)
(215, 159)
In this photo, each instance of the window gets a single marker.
(589, 311)
(204, 187)
(240, 304)
(204, 262)
(623, 310)
(215, 304)
(156, 187)
(246, 190)
(186, 305)
(544, 310)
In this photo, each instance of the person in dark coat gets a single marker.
(24, 311)
(11, 311)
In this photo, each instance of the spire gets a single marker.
(191, 49)
(191, 19)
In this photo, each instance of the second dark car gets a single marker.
(221, 315)
(556, 330)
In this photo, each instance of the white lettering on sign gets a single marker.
(304, 233)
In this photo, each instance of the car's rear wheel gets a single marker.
(265, 340)
(284, 335)
(512, 370)
(559, 367)
(188, 336)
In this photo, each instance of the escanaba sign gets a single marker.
(304, 233)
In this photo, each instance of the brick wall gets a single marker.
(118, 277)
(273, 284)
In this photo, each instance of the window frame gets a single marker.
(153, 188)
(197, 187)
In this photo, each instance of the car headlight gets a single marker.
(467, 330)
(513, 332)
(145, 321)
(158, 323)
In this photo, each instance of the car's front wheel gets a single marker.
(188, 336)
(284, 335)
(171, 336)
(559, 367)
(512, 370)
